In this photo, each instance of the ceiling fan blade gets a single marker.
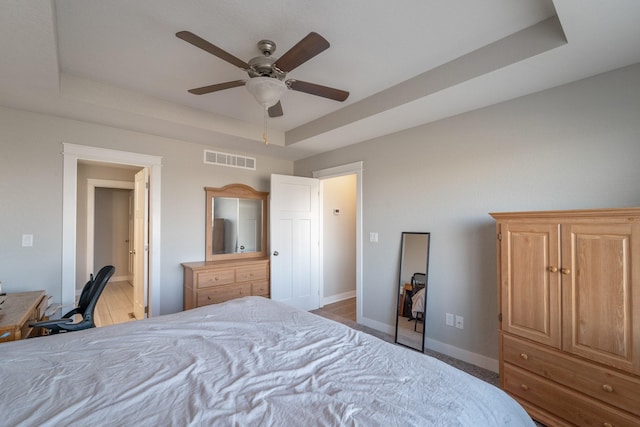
(306, 49)
(318, 90)
(214, 50)
(216, 87)
(276, 110)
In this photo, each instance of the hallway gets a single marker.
(115, 304)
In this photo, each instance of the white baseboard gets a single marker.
(435, 345)
(338, 297)
(378, 326)
(464, 355)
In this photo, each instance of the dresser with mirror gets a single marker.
(236, 261)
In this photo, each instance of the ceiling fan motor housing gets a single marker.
(262, 66)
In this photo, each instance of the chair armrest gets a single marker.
(51, 323)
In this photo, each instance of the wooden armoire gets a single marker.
(569, 311)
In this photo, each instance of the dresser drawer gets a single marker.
(618, 389)
(251, 273)
(260, 289)
(206, 279)
(219, 294)
(563, 402)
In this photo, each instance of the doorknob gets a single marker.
(276, 253)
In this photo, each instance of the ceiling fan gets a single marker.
(267, 74)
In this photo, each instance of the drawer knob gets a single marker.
(208, 296)
(524, 356)
(553, 269)
(241, 292)
(607, 425)
(607, 388)
(524, 387)
(566, 271)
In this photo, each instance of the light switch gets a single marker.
(373, 237)
(27, 240)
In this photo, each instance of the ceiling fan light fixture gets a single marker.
(266, 90)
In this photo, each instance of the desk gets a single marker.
(17, 311)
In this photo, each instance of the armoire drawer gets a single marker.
(563, 402)
(618, 389)
(219, 294)
(206, 279)
(251, 273)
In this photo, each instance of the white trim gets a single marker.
(71, 154)
(91, 203)
(461, 354)
(355, 168)
(338, 297)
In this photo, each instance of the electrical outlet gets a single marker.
(449, 319)
(373, 237)
(459, 322)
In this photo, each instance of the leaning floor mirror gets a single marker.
(411, 290)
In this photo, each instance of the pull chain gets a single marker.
(264, 133)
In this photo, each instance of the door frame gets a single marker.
(71, 153)
(356, 169)
(92, 184)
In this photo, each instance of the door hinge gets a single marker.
(500, 236)
(146, 310)
(500, 317)
(146, 185)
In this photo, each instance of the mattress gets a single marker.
(246, 362)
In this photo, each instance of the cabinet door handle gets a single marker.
(553, 269)
(607, 388)
(524, 387)
(566, 271)
(524, 356)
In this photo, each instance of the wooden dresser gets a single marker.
(213, 282)
(569, 310)
(18, 311)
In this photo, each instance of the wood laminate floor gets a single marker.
(345, 308)
(115, 304)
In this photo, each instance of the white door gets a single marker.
(140, 243)
(294, 213)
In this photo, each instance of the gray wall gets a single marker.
(575, 146)
(31, 197)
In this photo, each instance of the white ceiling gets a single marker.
(118, 62)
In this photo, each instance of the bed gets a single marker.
(246, 362)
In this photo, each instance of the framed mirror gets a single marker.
(411, 290)
(236, 222)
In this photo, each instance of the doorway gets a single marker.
(351, 175)
(72, 155)
(339, 242)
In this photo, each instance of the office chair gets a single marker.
(86, 306)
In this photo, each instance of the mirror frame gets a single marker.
(399, 284)
(240, 191)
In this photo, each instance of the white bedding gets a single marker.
(247, 362)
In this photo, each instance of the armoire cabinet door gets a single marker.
(600, 283)
(531, 294)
